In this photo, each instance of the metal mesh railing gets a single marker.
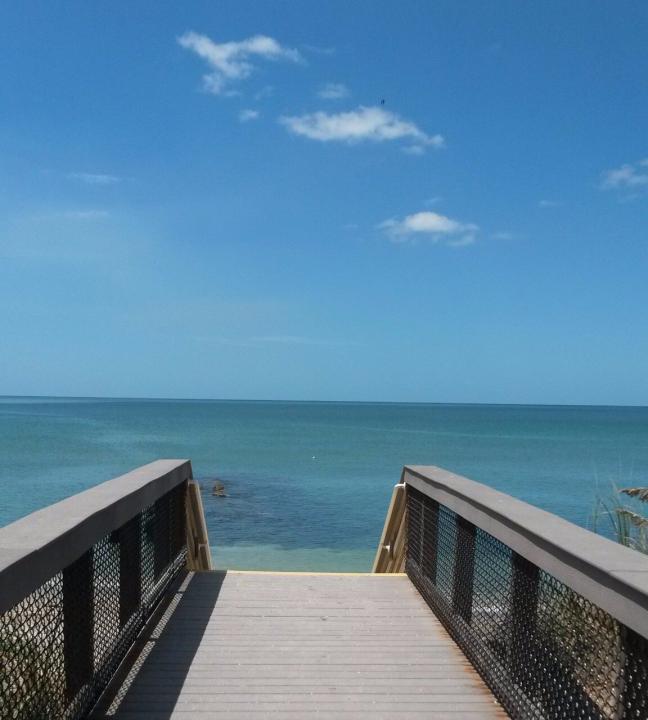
(546, 652)
(60, 646)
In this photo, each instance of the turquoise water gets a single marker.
(308, 483)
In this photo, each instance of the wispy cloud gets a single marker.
(94, 178)
(371, 124)
(333, 91)
(298, 340)
(503, 235)
(85, 214)
(630, 176)
(319, 50)
(54, 217)
(231, 61)
(548, 203)
(277, 340)
(414, 149)
(247, 115)
(435, 227)
(72, 235)
(265, 92)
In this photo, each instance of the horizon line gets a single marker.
(330, 402)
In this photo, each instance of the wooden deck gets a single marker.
(290, 645)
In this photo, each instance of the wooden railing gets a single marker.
(80, 578)
(554, 617)
(390, 556)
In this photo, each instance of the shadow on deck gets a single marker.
(101, 614)
(252, 645)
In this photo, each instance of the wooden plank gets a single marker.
(294, 646)
(390, 556)
(198, 552)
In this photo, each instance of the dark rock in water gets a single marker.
(219, 489)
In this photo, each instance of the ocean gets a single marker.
(308, 483)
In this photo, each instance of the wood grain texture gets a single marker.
(271, 645)
(198, 552)
(390, 556)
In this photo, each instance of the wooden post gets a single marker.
(198, 552)
(429, 539)
(129, 537)
(179, 519)
(390, 556)
(524, 610)
(464, 569)
(634, 692)
(161, 536)
(78, 624)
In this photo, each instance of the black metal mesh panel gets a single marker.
(60, 646)
(544, 650)
(32, 678)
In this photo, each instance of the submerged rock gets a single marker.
(219, 489)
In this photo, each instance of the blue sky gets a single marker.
(211, 200)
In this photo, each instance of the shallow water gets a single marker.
(308, 483)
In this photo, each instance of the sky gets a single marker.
(381, 201)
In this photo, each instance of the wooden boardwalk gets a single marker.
(291, 645)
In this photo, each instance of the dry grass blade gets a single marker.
(640, 493)
(630, 528)
(637, 520)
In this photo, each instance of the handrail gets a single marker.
(390, 556)
(198, 552)
(554, 617)
(610, 575)
(36, 547)
(80, 578)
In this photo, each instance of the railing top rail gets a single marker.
(608, 574)
(36, 547)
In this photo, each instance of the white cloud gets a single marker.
(230, 61)
(548, 203)
(247, 115)
(333, 91)
(94, 178)
(364, 124)
(627, 176)
(432, 225)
